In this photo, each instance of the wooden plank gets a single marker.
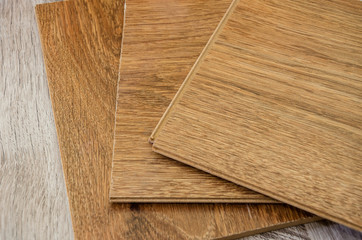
(274, 103)
(81, 52)
(154, 63)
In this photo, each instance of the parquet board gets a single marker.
(153, 65)
(81, 48)
(274, 103)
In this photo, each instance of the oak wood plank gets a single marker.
(81, 46)
(274, 103)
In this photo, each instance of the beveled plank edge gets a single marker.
(193, 70)
(257, 189)
(191, 200)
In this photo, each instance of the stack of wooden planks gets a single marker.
(257, 103)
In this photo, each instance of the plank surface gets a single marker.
(33, 199)
(81, 45)
(154, 63)
(274, 103)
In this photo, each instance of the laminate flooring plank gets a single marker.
(274, 103)
(161, 42)
(33, 199)
(81, 43)
(81, 46)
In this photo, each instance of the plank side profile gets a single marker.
(153, 65)
(274, 103)
(81, 43)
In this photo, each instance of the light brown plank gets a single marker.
(161, 42)
(274, 103)
(81, 51)
(81, 46)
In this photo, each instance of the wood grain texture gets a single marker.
(33, 199)
(82, 61)
(330, 230)
(152, 68)
(81, 43)
(30, 166)
(274, 103)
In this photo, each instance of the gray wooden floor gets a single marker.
(33, 200)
